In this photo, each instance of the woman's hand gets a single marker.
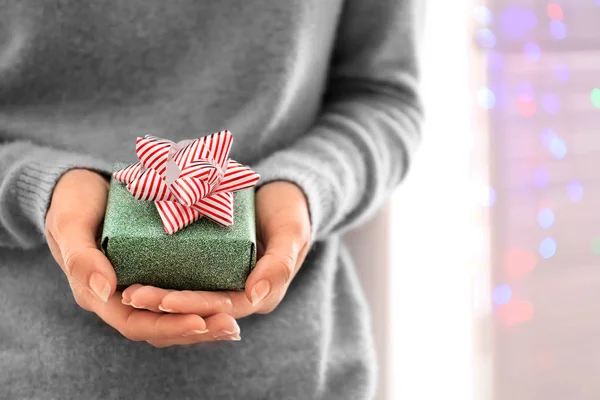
(283, 225)
(73, 224)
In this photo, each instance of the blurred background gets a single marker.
(494, 239)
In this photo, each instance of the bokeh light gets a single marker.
(532, 51)
(482, 15)
(546, 218)
(596, 245)
(547, 247)
(515, 22)
(554, 144)
(541, 177)
(550, 103)
(558, 29)
(486, 195)
(575, 190)
(555, 12)
(525, 90)
(596, 97)
(525, 311)
(526, 106)
(502, 294)
(494, 60)
(485, 38)
(558, 148)
(516, 312)
(562, 72)
(486, 98)
(518, 262)
(547, 136)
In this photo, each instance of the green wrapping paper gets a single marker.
(202, 256)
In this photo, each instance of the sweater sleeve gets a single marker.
(362, 143)
(28, 174)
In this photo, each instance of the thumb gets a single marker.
(71, 226)
(275, 270)
(82, 262)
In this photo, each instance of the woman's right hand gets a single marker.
(73, 224)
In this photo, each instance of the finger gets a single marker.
(126, 294)
(220, 326)
(200, 302)
(71, 227)
(205, 304)
(260, 249)
(141, 325)
(82, 261)
(269, 280)
(144, 297)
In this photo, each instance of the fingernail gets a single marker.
(132, 304)
(164, 309)
(224, 333)
(100, 286)
(260, 291)
(235, 338)
(196, 332)
(125, 302)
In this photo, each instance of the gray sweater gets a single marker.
(318, 92)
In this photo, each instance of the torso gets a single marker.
(73, 71)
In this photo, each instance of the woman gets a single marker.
(321, 99)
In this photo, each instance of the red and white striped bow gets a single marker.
(187, 180)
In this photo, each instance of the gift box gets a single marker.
(195, 239)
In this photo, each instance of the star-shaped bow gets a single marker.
(187, 180)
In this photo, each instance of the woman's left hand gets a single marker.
(283, 233)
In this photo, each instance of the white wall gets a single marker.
(432, 234)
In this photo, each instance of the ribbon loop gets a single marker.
(188, 179)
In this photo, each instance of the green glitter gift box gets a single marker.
(139, 241)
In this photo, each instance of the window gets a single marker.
(496, 233)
